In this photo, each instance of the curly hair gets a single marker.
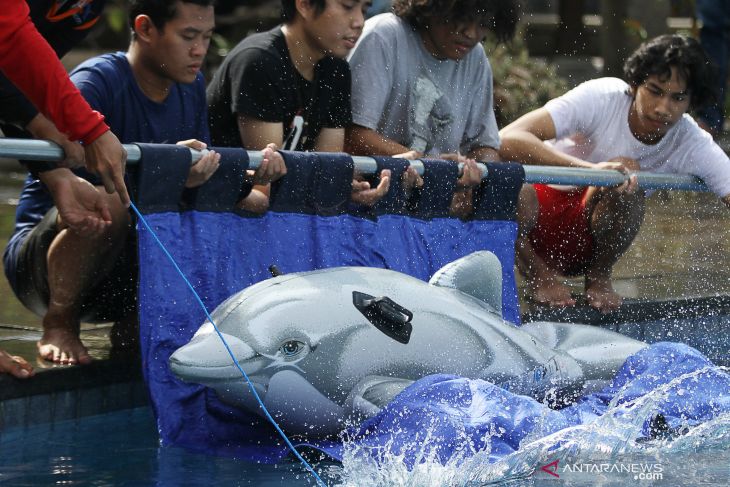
(657, 56)
(500, 16)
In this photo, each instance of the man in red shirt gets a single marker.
(46, 84)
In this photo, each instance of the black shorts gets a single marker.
(111, 299)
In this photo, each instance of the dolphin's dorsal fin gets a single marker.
(478, 275)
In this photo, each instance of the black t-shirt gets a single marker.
(258, 79)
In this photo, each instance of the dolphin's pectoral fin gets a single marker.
(387, 315)
(479, 275)
(373, 393)
(300, 408)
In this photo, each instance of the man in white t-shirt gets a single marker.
(608, 124)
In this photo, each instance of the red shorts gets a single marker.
(562, 236)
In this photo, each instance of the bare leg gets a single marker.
(615, 222)
(545, 283)
(75, 265)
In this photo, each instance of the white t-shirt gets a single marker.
(405, 94)
(592, 123)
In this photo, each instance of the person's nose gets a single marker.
(471, 31)
(358, 19)
(199, 49)
(663, 108)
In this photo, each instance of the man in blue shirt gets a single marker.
(153, 93)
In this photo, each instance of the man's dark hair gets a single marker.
(499, 16)
(658, 55)
(159, 11)
(289, 9)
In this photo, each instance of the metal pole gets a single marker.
(41, 150)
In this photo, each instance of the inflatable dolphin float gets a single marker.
(331, 347)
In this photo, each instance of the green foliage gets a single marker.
(521, 83)
(116, 17)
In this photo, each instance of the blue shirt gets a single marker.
(109, 86)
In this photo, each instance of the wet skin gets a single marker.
(335, 30)
(174, 53)
(658, 105)
(451, 39)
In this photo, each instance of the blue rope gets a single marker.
(228, 349)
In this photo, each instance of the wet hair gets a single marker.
(657, 56)
(500, 16)
(159, 11)
(289, 9)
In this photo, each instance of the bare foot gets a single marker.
(600, 295)
(549, 290)
(61, 344)
(15, 365)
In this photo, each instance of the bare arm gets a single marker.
(362, 141)
(267, 136)
(330, 140)
(106, 157)
(484, 154)
(81, 206)
(255, 134)
(202, 170)
(42, 128)
(471, 177)
(522, 141)
(47, 85)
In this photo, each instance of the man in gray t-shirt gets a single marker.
(422, 84)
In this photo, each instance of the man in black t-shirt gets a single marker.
(259, 89)
(291, 85)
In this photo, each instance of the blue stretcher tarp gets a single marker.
(450, 418)
(311, 225)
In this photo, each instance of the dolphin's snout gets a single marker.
(205, 357)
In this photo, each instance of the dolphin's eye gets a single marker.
(291, 348)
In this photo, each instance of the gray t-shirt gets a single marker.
(407, 95)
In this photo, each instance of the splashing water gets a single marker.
(611, 449)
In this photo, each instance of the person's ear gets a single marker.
(305, 8)
(144, 27)
(632, 90)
